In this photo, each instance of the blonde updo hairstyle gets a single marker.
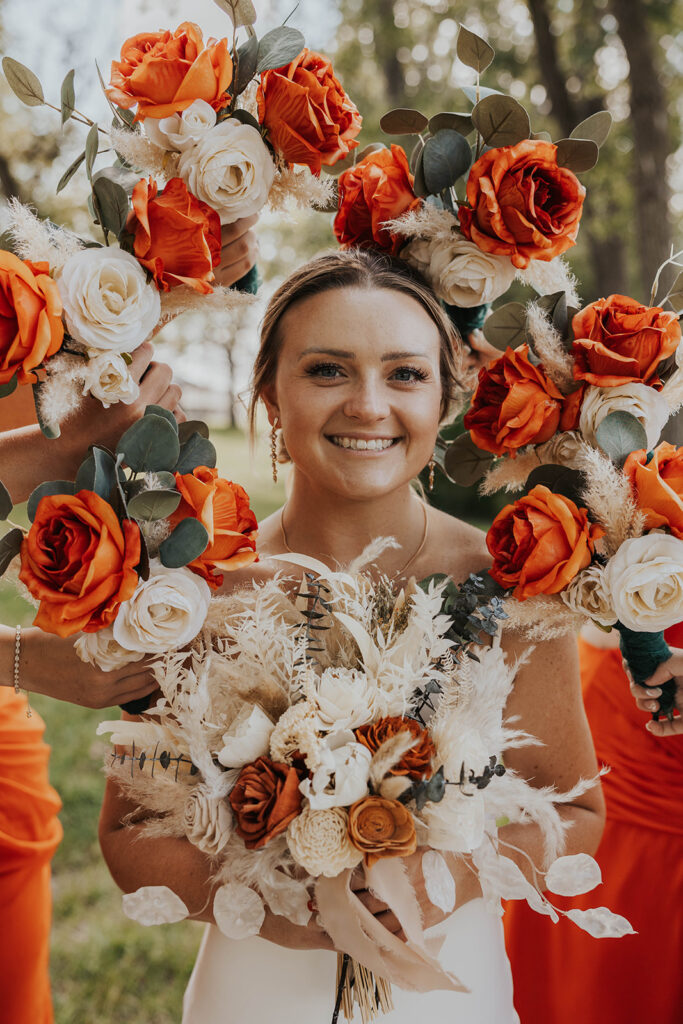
(357, 268)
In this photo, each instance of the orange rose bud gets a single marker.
(265, 799)
(521, 204)
(658, 486)
(540, 543)
(31, 328)
(618, 340)
(417, 762)
(223, 508)
(381, 828)
(165, 72)
(515, 404)
(309, 117)
(177, 237)
(377, 189)
(79, 561)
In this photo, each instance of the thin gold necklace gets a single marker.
(399, 572)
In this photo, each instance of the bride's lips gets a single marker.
(369, 445)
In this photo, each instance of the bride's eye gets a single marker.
(409, 374)
(327, 371)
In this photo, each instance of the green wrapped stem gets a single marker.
(643, 652)
(467, 320)
(249, 283)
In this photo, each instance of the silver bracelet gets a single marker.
(17, 655)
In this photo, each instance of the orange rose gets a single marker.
(417, 762)
(516, 404)
(165, 72)
(177, 236)
(265, 799)
(223, 508)
(79, 561)
(31, 328)
(540, 543)
(381, 828)
(618, 340)
(521, 204)
(309, 117)
(657, 482)
(378, 188)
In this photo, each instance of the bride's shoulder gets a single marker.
(456, 548)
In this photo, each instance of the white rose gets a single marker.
(343, 698)
(109, 380)
(108, 303)
(319, 842)
(231, 169)
(181, 131)
(641, 401)
(165, 612)
(343, 775)
(645, 579)
(458, 271)
(588, 594)
(457, 822)
(248, 737)
(207, 820)
(102, 650)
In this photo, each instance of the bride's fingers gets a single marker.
(371, 902)
(666, 728)
(230, 232)
(391, 923)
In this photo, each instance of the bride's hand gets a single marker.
(643, 695)
(282, 932)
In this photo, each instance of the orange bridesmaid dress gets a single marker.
(561, 974)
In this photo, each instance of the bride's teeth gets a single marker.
(360, 444)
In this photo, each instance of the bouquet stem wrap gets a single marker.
(643, 652)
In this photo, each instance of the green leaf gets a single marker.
(9, 388)
(187, 542)
(506, 326)
(120, 174)
(577, 155)
(6, 505)
(196, 451)
(149, 505)
(403, 121)
(70, 171)
(560, 480)
(501, 121)
(68, 96)
(450, 119)
(555, 305)
(112, 202)
(46, 489)
(278, 47)
(97, 473)
(50, 431)
(244, 117)
(619, 434)
(158, 410)
(92, 144)
(473, 51)
(419, 184)
(190, 427)
(23, 82)
(128, 117)
(464, 462)
(247, 57)
(470, 92)
(675, 296)
(596, 128)
(10, 546)
(149, 445)
(446, 157)
(415, 154)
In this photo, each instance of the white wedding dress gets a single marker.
(257, 982)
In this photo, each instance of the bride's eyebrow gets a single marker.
(340, 353)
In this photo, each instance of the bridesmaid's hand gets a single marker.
(643, 695)
(239, 251)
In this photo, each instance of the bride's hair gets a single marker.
(357, 268)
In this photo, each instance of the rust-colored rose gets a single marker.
(164, 72)
(309, 117)
(657, 482)
(540, 543)
(417, 762)
(377, 189)
(516, 404)
(79, 561)
(521, 204)
(31, 328)
(265, 799)
(381, 828)
(223, 508)
(618, 340)
(177, 237)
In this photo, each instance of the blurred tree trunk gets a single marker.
(386, 44)
(650, 137)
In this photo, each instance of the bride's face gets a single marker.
(357, 389)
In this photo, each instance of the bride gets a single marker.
(358, 366)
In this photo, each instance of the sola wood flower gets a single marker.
(381, 828)
(154, 904)
(238, 911)
(265, 800)
(207, 820)
(588, 593)
(319, 842)
(416, 762)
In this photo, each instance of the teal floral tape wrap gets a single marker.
(249, 283)
(643, 652)
(467, 320)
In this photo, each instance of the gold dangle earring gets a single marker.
(432, 467)
(273, 450)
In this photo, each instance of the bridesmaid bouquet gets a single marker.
(343, 727)
(203, 134)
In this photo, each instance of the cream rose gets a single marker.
(319, 842)
(343, 699)
(459, 271)
(589, 594)
(645, 579)
(165, 612)
(108, 303)
(181, 131)
(342, 777)
(109, 380)
(231, 169)
(207, 821)
(643, 402)
(247, 739)
(102, 650)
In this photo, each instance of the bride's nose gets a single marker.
(367, 401)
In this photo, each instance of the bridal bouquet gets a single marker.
(335, 728)
(203, 134)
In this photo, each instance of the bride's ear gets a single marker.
(269, 397)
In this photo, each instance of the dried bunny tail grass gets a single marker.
(300, 188)
(554, 276)
(426, 221)
(61, 393)
(143, 154)
(608, 496)
(389, 754)
(183, 299)
(545, 617)
(510, 474)
(371, 552)
(40, 240)
(556, 361)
